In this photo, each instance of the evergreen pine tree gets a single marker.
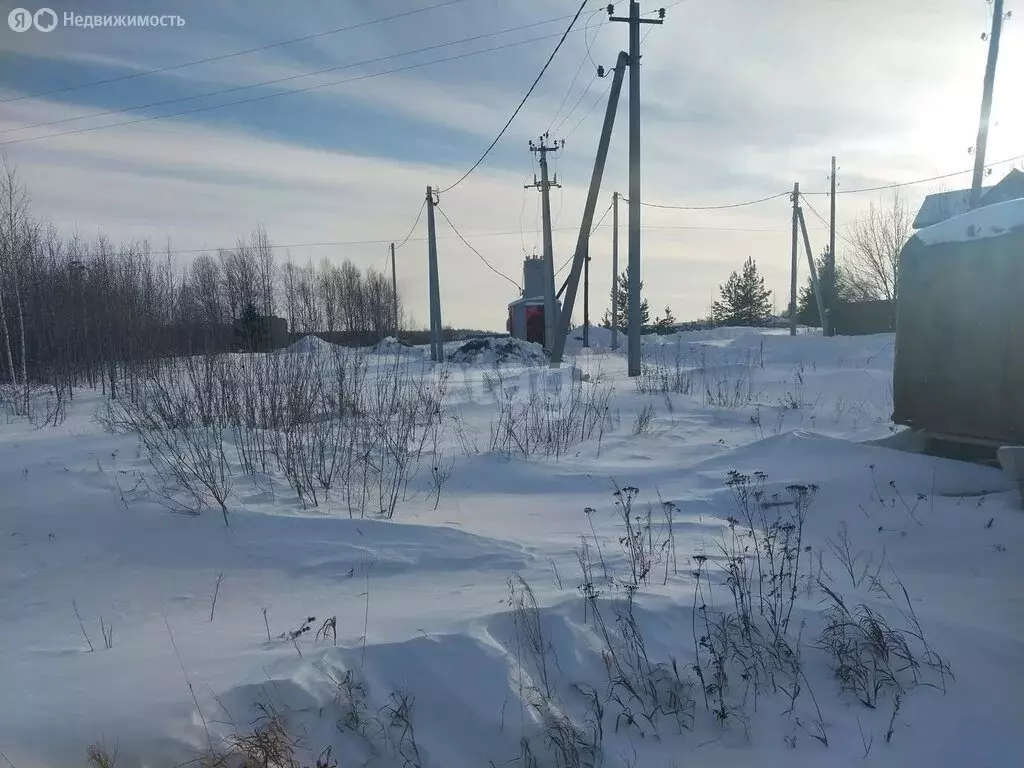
(621, 298)
(745, 299)
(807, 303)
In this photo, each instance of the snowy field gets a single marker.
(772, 584)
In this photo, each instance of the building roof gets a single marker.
(945, 205)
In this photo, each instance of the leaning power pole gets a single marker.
(586, 225)
(436, 343)
(986, 102)
(615, 270)
(545, 185)
(792, 272)
(633, 311)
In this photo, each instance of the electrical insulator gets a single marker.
(611, 9)
(600, 70)
(661, 13)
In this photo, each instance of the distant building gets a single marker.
(945, 205)
(260, 333)
(526, 314)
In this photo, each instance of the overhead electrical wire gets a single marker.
(823, 221)
(502, 233)
(883, 187)
(474, 250)
(413, 228)
(593, 106)
(299, 76)
(519, 108)
(878, 188)
(576, 75)
(223, 56)
(710, 207)
(592, 231)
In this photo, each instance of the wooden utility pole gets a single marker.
(615, 270)
(633, 316)
(436, 343)
(986, 102)
(394, 290)
(545, 185)
(830, 277)
(792, 272)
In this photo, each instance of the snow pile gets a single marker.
(308, 345)
(982, 223)
(493, 350)
(392, 346)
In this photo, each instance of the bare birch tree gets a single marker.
(874, 245)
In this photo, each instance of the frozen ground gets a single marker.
(439, 657)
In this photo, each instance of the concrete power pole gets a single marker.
(394, 291)
(586, 298)
(633, 312)
(545, 185)
(792, 273)
(436, 343)
(986, 102)
(830, 280)
(615, 269)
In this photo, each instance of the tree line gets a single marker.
(77, 312)
(867, 271)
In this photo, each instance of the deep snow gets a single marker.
(429, 589)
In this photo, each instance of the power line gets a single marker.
(916, 181)
(575, 77)
(825, 222)
(508, 233)
(285, 93)
(804, 194)
(592, 107)
(278, 81)
(521, 103)
(593, 229)
(221, 57)
(474, 250)
(413, 228)
(711, 207)
(568, 114)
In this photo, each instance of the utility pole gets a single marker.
(633, 316)
(792, 273)
(394, 289)
(587, 224)
(830, 272)
(986, 102)
(615, 270)
(436, 344)
(545, 185)
(586, 298)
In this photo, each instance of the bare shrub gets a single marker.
(642, 422)
(872, 659)
(747, 648)
(180, 416)
(550, 423)
(856, 563)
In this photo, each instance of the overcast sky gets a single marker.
(740, 99)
